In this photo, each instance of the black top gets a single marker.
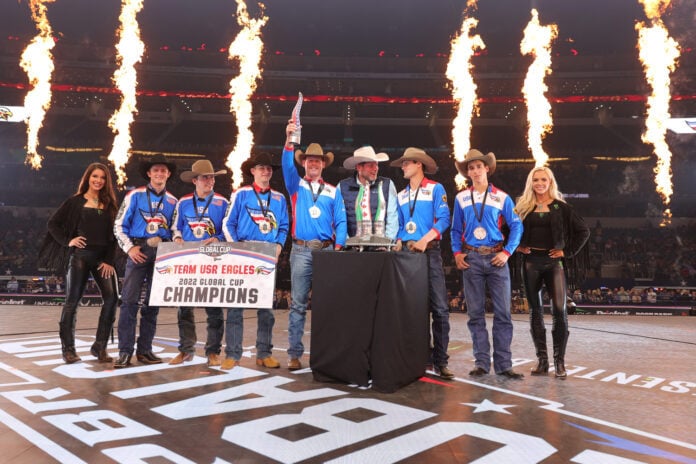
(539, 225)
(95, 225)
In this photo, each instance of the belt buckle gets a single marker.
(485, 250)
(314, 244)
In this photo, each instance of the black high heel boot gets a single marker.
(560, 340)
(539, 338)
(66, 328)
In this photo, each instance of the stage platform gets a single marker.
(630, 397)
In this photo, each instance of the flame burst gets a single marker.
(37, 62)
(247, 47)
(459, 72)
(537, 42)
(659, 53)
(129, 52)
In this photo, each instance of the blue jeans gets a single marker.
(482, 274)
(301, 283)
(215, 324)
(439, 307)
(137, 275)
(187, 330)
(234, 328)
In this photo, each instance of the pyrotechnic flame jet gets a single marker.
(37, 62)
(129, 50)
(460, 73)
(537, 42)
(659, 53)
(247, 48)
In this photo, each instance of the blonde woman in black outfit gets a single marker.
(553, 233)
(80, 235)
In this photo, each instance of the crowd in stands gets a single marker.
(636, 257)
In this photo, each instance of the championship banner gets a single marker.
(221, 274)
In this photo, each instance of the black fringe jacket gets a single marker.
(62, 227)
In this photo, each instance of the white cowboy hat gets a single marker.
(364, 155)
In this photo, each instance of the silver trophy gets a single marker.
(295, 136)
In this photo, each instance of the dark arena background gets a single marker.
(372, 73)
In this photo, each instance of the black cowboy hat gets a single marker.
(158, 158)
(258, 159)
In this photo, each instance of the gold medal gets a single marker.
(264, 226)
(480, 233)
(152, 227)
(198, 232)
(411, 227)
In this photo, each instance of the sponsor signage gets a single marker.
(12, 113)
(45, 300)
(221, 274)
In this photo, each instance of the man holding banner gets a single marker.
(143, 221)
(198, 218)
(256, 213)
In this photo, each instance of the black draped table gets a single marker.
(370, 318)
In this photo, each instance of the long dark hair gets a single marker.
(107, 196)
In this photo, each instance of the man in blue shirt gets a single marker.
(142, 222)
(319, 223)
(198, 218)
(256, 213)
(481, 252)
(423, 217)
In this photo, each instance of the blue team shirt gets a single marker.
(260, 216)
(200, 221)
(499, 209)
(331, 223)
(141, 207)
(430, 210)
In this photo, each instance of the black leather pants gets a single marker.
(540, 269)
(83, 263)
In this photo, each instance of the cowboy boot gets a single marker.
(560, 340)
(67, 337)
(539, 338)
(106, 323)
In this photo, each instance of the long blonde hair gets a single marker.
(526, 202)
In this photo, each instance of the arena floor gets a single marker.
(629, 397)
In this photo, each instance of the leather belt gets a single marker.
(431, 244)
(484, 250)
(313, 244)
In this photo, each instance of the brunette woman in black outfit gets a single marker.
(80, 234)
(553, 233)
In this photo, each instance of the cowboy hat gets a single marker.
(475, 155)
(259, 159)
(364, 155)
(416, 154)
(314, 149)
(201, 168)
(158, 158)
